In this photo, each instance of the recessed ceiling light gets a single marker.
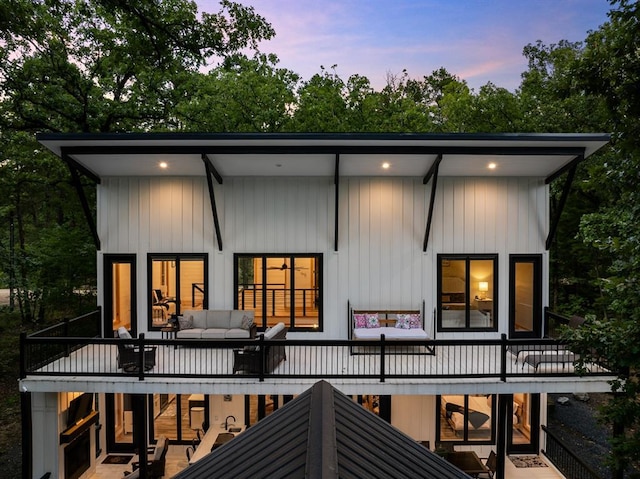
(385, 165)
(163, 165)
(492, 166)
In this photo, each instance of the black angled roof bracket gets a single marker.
(431, 175)
(211, 173)
(212, 169)
(75, 180)
(555, 219)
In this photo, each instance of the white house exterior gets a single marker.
(439, 231)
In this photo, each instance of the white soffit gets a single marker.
(312, 155)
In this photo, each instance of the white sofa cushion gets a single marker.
(237, 333)
(198, 318)
(193, 333)
(238, 315)
(214, 333)
(218, 319)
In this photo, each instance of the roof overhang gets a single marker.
(261, 154)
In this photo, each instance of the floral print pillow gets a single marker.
(360, 320)
(372, 320)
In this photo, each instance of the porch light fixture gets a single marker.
(163, 164)
(385, 165)
(483, 287)
(492, 166)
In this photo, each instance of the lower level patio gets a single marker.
(177, 461)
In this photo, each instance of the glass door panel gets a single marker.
(119, 294)
(179, 417)
(525, 423)
(525, 285)
(121, 299)
(163, 290)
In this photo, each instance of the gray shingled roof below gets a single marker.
(322, 434)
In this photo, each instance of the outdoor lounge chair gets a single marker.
(129, 354)
(155, 464)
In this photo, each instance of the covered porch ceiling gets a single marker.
(244, 154)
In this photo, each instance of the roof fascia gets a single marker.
(324, 149)
(190, 136)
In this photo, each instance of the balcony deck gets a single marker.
(455, 367)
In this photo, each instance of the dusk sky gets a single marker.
(477, 40)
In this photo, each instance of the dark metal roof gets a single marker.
(322, 434)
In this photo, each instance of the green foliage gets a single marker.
(110, 65)
(241, 95)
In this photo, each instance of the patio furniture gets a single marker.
(129, 354)
(467, 461)
(156, 464)
(536, 360)
(491, 466)
(247, 359)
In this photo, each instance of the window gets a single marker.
(281, 288)
(467, 292)
(466, 419)
(525, 296)
(178, 282)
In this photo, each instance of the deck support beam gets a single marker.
(336, 182)
(139, 403)
(212, 173)
(503, 425)
(431, 175)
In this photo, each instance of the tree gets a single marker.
(243, 94)
(90, 66)
(610, 68)
(110, 65)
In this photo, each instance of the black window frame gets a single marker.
(319, 259)
(177, 257)
(465, 439)
(495, 292)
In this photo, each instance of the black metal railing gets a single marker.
(379, 360)
(85, 326)
(565, 460)
(278, 297)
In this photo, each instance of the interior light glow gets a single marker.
(385, 165)
(492, 166)
(163, 165)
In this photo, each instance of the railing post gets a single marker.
(503, 358)
(65, 333)
(98, 324)
(263, 357)
(141, 357)
(382, 358)
(23, 358)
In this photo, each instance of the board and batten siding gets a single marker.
(380, 262)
